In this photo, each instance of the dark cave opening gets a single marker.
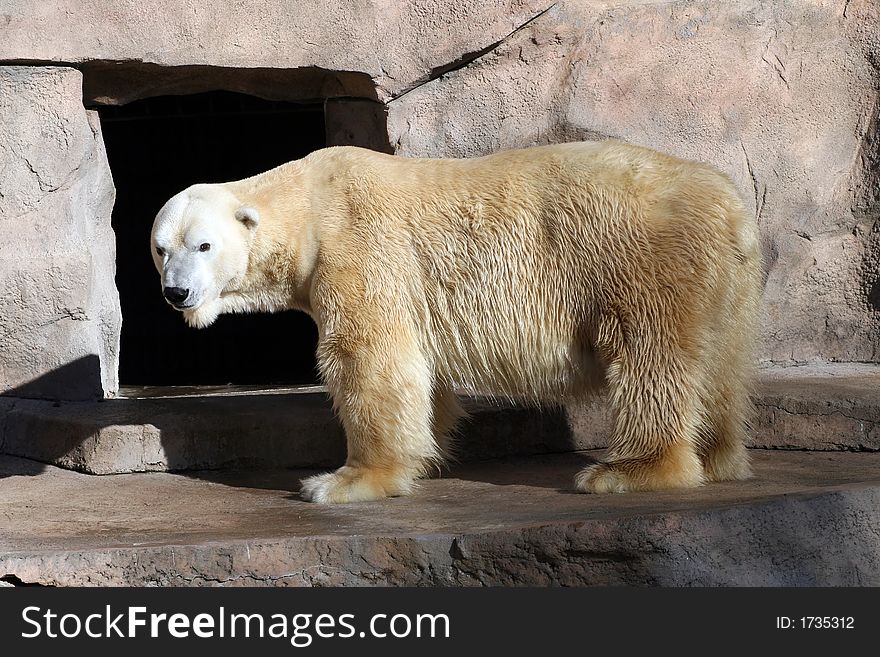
(156, 147)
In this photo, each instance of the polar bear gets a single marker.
(542, 275)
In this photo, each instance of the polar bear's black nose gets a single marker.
(175, 294)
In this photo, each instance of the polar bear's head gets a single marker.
(200, 243)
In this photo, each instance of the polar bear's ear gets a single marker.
(248, 216)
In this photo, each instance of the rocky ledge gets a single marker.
(807, 518)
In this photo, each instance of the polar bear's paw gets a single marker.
(354, 484)
(599, 478)
(676, 470)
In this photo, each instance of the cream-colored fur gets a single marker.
(540, 274)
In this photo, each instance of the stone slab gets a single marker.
(59, 311)
(819, 407)
(288, 427)
(832, 407)
(806, 519)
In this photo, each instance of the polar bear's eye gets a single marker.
(204, 246)
(160, 251)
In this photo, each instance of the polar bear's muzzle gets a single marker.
(188, 279)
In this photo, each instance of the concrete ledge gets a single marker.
(834, 407)
(827, 407)
(290, 427)
(808, 518)
(251, 429)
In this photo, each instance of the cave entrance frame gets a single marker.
(274, 115)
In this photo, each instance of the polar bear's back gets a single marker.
(519, 255)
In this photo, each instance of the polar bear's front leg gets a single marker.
(381, 388)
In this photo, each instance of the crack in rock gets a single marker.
(467, 58)
(760, 196)
(811, 413)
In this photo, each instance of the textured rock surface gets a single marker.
(396, 44)
(806, 519)
(59, 311)
(834, 407)
(356, 122)
(819, 407)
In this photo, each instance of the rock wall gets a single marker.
(784, 97)
(397, 44)
(59, 311)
